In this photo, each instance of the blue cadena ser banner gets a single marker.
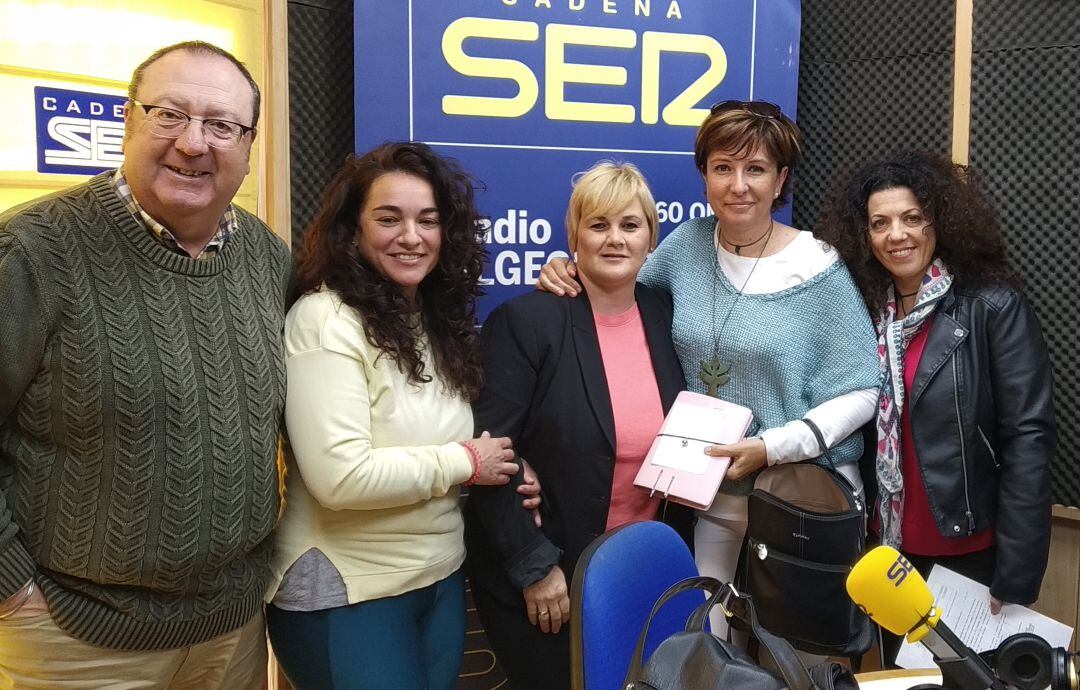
(527, 92)
(78, 132)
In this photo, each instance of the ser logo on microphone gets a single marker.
(899, 570)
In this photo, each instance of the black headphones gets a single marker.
(1028, 662)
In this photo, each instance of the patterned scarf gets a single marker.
(893, 339)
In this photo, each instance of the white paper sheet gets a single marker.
(670, 452)
(965, 606)
(697, 421)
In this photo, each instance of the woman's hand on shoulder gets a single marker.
(747, 456)
(494, 458)
(547, 602)
(558, 277)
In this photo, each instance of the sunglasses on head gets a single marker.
(759, 108)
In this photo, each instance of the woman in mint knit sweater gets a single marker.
(765, 316)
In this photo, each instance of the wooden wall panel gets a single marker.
(1060, 595)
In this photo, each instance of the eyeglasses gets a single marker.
(764, 109)
(911, 221)
(169, 123)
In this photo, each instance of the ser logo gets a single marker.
(558, 72)
(78, 133)
(899, 570)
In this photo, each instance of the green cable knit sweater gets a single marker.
(141, 394)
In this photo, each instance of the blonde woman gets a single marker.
(765, 316)
(581, 387)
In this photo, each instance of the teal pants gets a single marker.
(413, 641)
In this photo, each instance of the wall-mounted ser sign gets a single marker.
(78, 132)
(525, 93)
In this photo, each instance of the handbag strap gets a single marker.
(710, 585)
(741, 606)
(818, 435)
(697, 619)
(816, 430)
(791, 668)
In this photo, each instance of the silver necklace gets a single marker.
(716, 373)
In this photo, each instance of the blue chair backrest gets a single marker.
(616, 582)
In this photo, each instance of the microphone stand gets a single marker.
(960, 670)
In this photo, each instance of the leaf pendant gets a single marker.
(714, 374)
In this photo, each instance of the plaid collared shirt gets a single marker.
(226, 226)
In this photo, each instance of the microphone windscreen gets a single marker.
(885, 585)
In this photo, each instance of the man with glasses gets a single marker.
(141, 388)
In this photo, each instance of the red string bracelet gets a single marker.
(474, 456)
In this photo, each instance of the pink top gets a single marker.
(636, 406)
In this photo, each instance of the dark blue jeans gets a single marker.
(413, 641)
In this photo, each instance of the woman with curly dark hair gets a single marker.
(965, 418)
(382, 362)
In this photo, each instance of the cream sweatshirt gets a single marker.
(374, 464)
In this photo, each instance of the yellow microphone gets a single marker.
(887, 587)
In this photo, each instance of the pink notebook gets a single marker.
(676, 466)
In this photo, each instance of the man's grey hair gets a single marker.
(198, 48)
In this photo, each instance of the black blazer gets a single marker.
(545, 388)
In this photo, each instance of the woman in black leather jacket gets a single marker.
(965, 423)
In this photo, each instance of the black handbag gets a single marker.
(806, 528)
(695, 659)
